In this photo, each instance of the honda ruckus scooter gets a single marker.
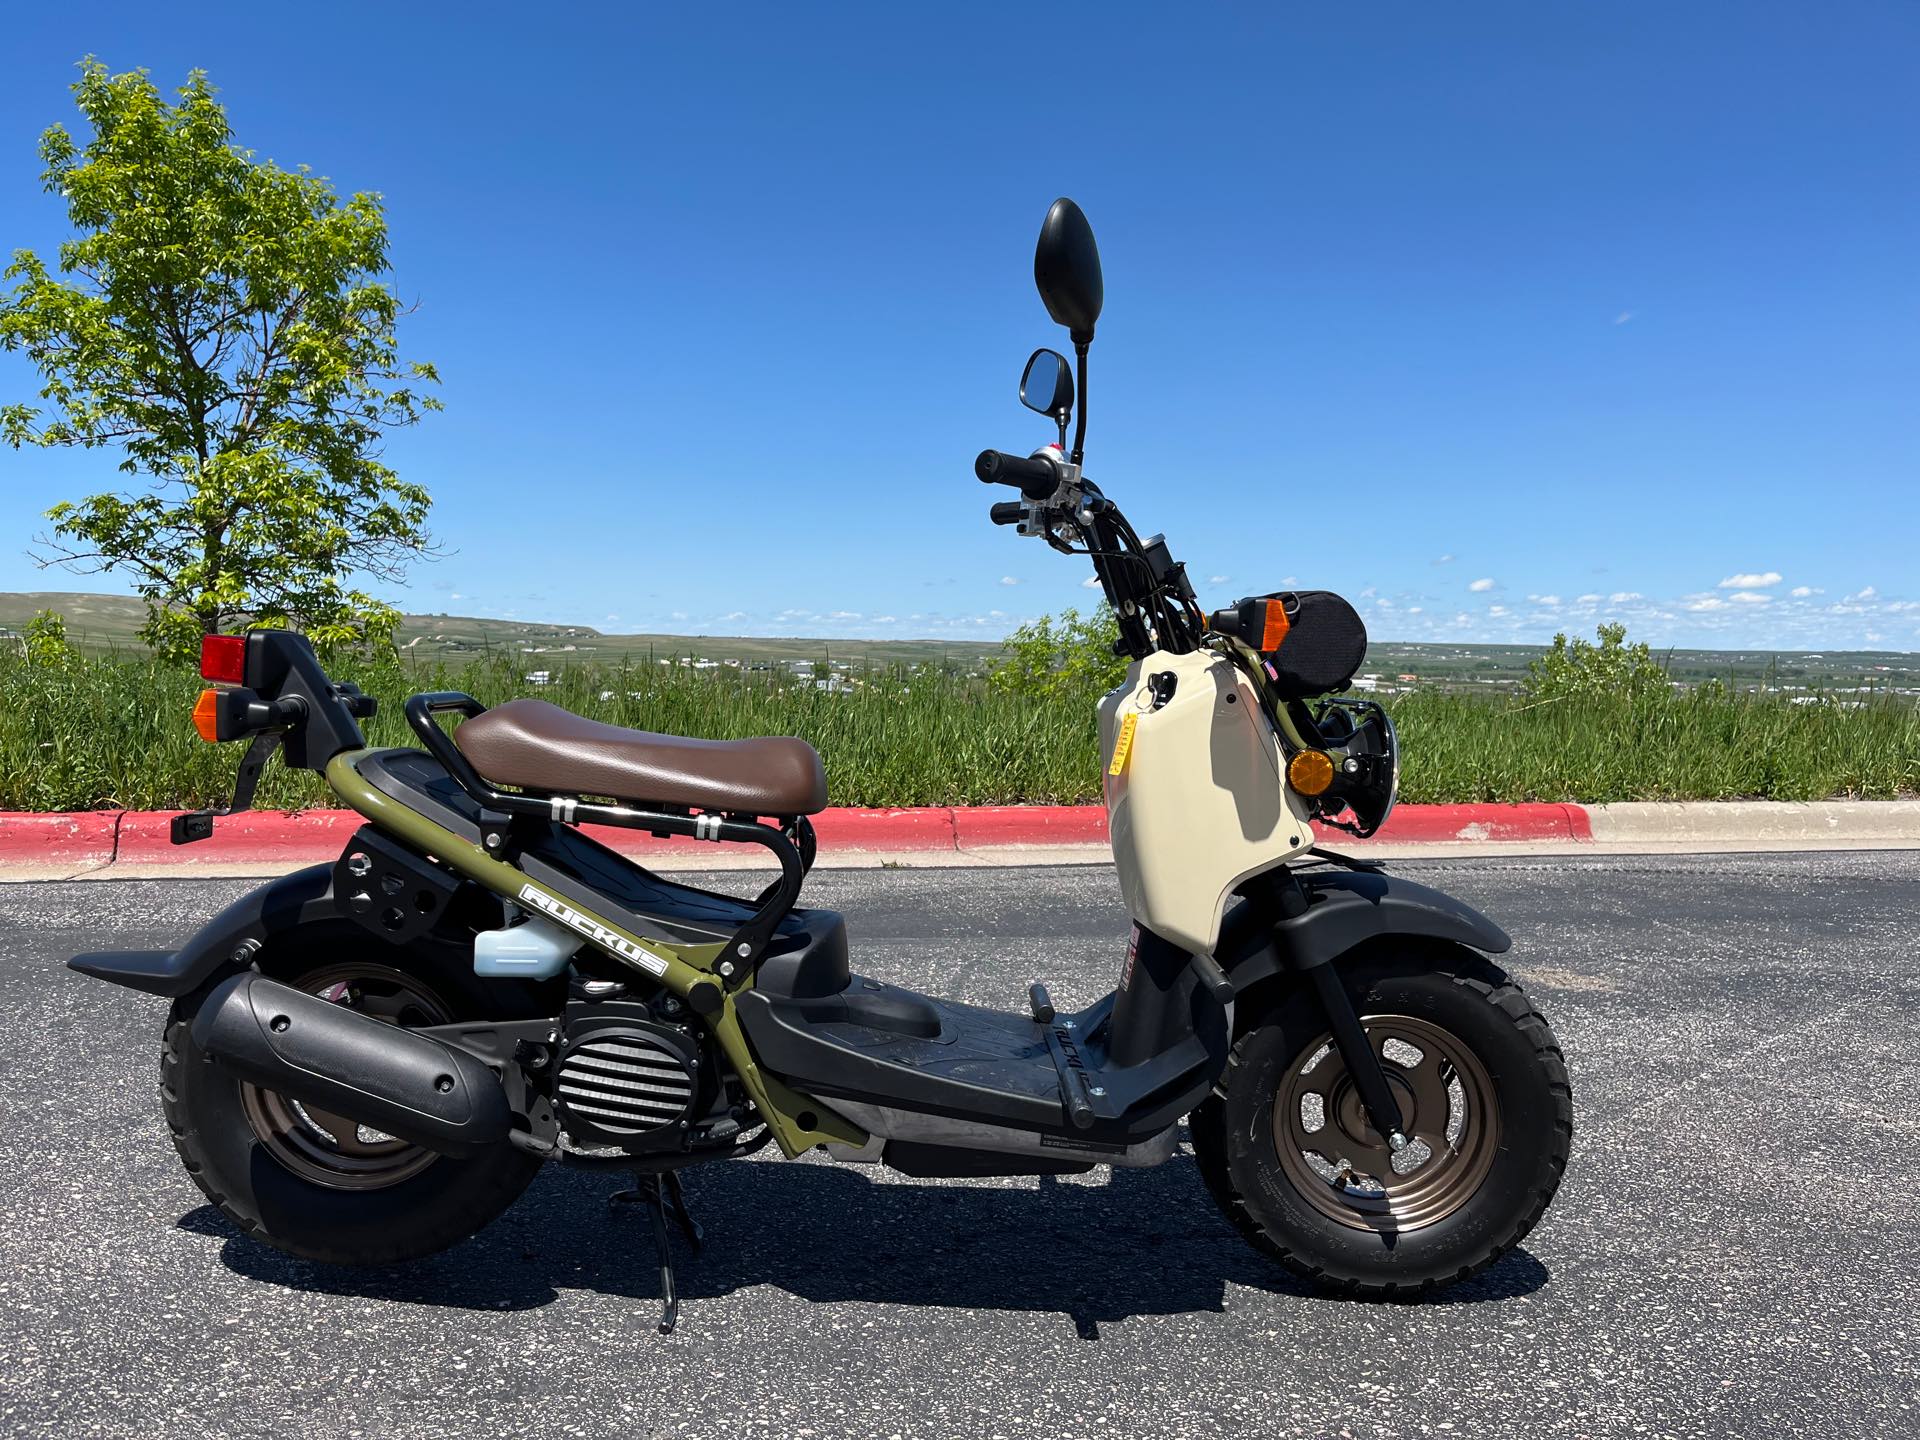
(368, 1060)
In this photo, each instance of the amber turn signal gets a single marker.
(206, 716)
(1310, 772)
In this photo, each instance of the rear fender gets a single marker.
(228, 941)
(1345, 910)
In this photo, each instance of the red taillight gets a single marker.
(223, 658)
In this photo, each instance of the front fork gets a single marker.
(1349, 1036)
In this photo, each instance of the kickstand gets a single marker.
(659, 1193)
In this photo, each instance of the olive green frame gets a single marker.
(797, 1122)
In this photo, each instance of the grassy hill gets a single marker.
(108, 622)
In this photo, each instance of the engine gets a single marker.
(624, 1078)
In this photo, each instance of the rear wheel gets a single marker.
(315, 1184)
(1286, 1148)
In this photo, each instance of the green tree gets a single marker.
(1611, 670)
(1064, 655)
(222, 322)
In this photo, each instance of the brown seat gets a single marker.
(536, 746)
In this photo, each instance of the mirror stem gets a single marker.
(1080, 422)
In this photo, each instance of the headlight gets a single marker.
(1366, 762)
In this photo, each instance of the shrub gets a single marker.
(1068, 656)
(1611, 670)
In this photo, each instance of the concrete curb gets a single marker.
(1762, 824)
(132, 843)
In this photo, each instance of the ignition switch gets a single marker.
(1161, 687)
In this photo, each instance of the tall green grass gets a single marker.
(85, 733)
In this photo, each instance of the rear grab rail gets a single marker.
(794, 851)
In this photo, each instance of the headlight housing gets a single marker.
(1359, 738)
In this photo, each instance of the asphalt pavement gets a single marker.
(1734, 1252)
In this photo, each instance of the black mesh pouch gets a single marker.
(1324, 646)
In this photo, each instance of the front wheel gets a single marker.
(1285, 1146)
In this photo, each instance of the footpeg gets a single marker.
(661, 1193)
(1041, 1002)
(1079, 1097)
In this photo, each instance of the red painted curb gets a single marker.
(89, 837)
(914, 828)
(1456, 824)
(252, 835)
(81, 838)
(980, 825)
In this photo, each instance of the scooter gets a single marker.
(367, 1061)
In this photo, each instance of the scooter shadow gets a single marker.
(1146, 1242)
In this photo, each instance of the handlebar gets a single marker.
(1036, 479)
(1007, 512)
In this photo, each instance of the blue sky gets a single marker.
(1501, 319)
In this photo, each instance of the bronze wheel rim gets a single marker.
(330, 1149)
(1343, 1168)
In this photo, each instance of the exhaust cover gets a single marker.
(408, 1085)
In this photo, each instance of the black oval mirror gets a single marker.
(1046, 384)
(1066, 268)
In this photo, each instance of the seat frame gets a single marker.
(792, 841)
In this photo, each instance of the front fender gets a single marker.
(226, 941)
(1345, 909)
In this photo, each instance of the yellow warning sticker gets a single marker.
(1123, 745)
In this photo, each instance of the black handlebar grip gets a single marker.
(1037, 479)
(1007, 512)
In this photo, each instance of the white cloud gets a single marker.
(1092, 582)
(1009, 580)
(1369, 592)
(1547, 600)
(1867, 593)
(1801, 592)
(1624, 597)
(1752, 581)
(1623, 317)
(1496, 610)
(1415, 610)
(1705, 602)
(843, 615)
(1480, 587)
(609, 619)
(1588, 599)
(884, 619)
(734, 615)
(1218, 579)
(1444, 560)
(456, 595)
(1750, 597)
(678, 615)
